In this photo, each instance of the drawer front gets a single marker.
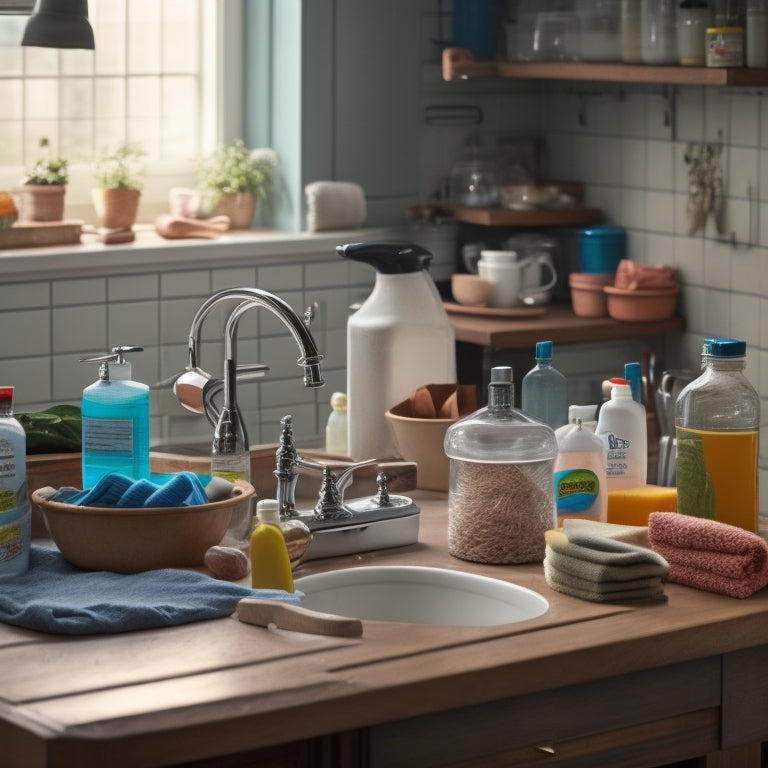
(549, 718)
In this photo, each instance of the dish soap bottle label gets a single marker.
(575, 490)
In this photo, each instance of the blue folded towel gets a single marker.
(115, 490)
(54, 596)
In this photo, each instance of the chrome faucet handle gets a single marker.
(330, 505)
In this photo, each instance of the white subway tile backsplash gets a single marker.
(634, 164)
(690, 114)
(745, 319)
(136, 323)
(25, 295)
(192, 283)
(25, 333)
(661, 165)
(744, 120)
(80, 330)
(133, 287)
(233, 278)
(280, 277)
(82, 291)
(31, 377)
(660, 212)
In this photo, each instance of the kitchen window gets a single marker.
(154, 79)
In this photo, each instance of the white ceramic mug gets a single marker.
(516, 281)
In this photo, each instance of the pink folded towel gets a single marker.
(709, 555)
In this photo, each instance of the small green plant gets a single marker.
(48, 170)
(233, 168)
(121, 168)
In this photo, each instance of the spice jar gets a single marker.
(693, 19)
(500, 496)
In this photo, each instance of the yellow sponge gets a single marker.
(631, 506)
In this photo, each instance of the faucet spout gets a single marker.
(310, 358)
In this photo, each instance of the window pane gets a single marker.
(35, 131)
(10, 142)
(144, 39)
(76, 61)
(108, 21)
(143, 96)
(180, 138)
(77, 141)
(76, 97)
(109, 98)
(41, 98)
(41, 61)
(180, 37)
(11, 99)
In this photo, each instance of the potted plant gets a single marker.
(119, 177)
(232, 178)
(41, 195)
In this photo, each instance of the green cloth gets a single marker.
(601, 569)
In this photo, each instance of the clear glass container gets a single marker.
(717, 418)
(693, 19)
(500, 496)
(658, 40)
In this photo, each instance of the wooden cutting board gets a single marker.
(41, 233)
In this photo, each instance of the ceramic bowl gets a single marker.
(471, 290)
(641, 305)
(142, 539)
(587, 295)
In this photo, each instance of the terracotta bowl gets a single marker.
(640, 305)
(471, 290)
(587, 295)
(135, 540)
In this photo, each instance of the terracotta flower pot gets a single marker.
(41, 202)
(116, 208)
(239, 207)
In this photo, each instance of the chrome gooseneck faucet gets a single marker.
(230, 454)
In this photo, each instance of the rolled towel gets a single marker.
(710, 555)
(334, 205)
(601, 569)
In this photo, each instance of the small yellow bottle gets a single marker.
(270, 564)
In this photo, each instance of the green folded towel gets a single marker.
(602, 569)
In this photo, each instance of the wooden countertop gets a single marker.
(558, 323)
(197, 691)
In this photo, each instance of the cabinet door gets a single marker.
(376, 100)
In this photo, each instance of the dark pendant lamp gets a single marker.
(59, 24)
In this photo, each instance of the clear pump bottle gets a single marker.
(545, 390)
(717, 418)
(500, 496)
(115, 413)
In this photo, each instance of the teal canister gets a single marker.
(500, 495)
(601, 248)
(15, 509)
(115, 412)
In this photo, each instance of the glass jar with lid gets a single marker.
(501, 496)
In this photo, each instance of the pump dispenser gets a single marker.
(400, 339)
(115, 412)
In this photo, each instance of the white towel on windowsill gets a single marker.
(334, 205)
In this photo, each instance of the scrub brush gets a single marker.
(8, 211)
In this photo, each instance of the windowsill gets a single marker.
(150, 251)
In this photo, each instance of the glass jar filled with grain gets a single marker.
(500, 496)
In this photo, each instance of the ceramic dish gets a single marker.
(517, 312)
(641, 305)
(142, 539)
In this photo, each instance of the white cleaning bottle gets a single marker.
(115, 421)
(336, 428)
(580, 474)
(622, 427)
(15, 509)
(399, 339)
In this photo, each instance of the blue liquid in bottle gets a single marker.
(115, 413)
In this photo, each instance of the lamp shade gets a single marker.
(59, 24)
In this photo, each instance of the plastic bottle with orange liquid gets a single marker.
(717, 418)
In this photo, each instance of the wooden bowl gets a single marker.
(141, 539)
(471, 290)
(641, 305)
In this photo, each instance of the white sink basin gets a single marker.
(420, 595)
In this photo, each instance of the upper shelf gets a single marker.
(497, 217)
(459, 64)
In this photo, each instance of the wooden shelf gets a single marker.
(559, 324)
(542, 217)
(459, 64)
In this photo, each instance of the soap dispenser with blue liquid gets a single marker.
(115, 412)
